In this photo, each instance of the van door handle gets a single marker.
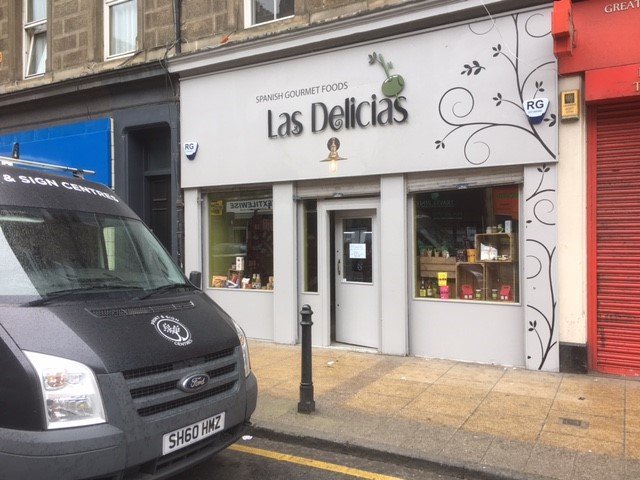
(339, 272)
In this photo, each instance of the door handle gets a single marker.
(339, 272)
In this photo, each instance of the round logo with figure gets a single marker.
(171, 329)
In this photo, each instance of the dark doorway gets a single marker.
(149, 162)
(159, 188)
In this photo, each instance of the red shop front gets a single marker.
(599, 40)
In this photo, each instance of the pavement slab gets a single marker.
(497, 422)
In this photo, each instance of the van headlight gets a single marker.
(69, 391)
(245, 349)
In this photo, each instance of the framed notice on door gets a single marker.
(357, 250)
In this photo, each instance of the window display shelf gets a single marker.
(494, 275)
(470, 281)
(430, 267)
(498, 247)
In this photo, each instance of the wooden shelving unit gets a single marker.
(431, 266)
(495, 269)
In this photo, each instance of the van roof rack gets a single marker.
(76, 172)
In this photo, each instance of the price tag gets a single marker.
(442, 279)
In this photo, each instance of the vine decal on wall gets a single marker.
(458, 103)
(545, 326)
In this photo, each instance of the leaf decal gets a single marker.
(474, 68)
(553, 120)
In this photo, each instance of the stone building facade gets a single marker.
(56, 70)
(75, 33)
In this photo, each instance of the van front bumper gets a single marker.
(67, 453)
(133, 451)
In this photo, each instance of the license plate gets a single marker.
(193, 433)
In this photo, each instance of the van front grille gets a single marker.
(163, 407)
(168, 367)
(166, 386)
(155, 389)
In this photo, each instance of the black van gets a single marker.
(112, 364)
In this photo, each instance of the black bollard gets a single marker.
(306, 403)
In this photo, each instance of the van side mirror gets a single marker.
(195, 278)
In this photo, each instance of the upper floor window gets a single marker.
(35, 37)
(263, 11)
(120, 26)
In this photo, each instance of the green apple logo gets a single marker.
(394, 84)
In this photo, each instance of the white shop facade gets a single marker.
(404, 187)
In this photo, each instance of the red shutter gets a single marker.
(614, 238)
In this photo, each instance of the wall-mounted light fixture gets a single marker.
(333, 145)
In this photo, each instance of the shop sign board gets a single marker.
(443, 99)
(612, 83)
(608, 34)
(245, 206)
(85, 145)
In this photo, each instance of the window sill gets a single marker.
(253, 25)
(35, 75)
(224, 289)
(108, 58)
(461, 300)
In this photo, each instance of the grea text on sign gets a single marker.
(621, 6)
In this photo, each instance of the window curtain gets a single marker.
(36, 10)
(38, 54)
(123, 27)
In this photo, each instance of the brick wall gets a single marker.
(157, 25)
(206, 22)
(70, 31)
(76, 32)
(4, 41)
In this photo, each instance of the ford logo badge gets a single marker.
(193, 383)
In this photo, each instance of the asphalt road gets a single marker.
(258, 458)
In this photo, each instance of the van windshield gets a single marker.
(46, 253)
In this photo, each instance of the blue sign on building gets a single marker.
(85, 145)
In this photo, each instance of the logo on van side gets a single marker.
(171, 329)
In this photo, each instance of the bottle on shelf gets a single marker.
(495, 290)
(430, 291)
(423, 288)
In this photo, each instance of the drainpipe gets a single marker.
(176, 24)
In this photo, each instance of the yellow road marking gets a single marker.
(308, 462)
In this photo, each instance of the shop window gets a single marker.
(467, 244)
(310, 246)
(35, 37)
(241, 240)
(263, 11)
(120, 27)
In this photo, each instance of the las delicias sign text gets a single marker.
(350, 115)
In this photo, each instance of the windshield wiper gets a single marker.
(165, 288)
(59, 294)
